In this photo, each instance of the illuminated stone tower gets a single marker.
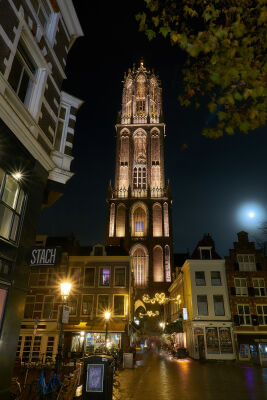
(139, 204)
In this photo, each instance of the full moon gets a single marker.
(251, 214)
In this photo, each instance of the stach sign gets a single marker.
(45, 256)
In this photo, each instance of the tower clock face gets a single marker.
(139, 202)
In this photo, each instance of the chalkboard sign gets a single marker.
(95, 378)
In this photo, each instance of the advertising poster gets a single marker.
(95, 378)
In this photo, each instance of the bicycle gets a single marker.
(41, 389)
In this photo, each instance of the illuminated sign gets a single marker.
(48, 256)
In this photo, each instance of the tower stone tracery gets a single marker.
(139, 204)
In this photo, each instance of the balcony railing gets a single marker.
(123, 193)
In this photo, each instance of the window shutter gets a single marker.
(251, 291)
(258, 267)
(236, 320)
(232, 291)
(255, 320)
(236, 266)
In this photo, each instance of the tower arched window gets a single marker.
(128, 99)
(141, 95)
(124, 162)
(140, 265)
(139, 178)
(112, 220)
(166, 219)
(140, 154)
(157, 220)
(120, 221)
(167, 264)
(158, 264)
(139, 220)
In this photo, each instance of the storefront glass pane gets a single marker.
(243, 352)
(212, 341)
(263, 350)
(225, 340)
(95, 342)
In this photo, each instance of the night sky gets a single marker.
(211, 179)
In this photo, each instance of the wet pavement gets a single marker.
(159, 378)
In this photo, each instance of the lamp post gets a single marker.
(107, 317)
(65, 288)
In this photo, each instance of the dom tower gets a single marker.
(139, 213)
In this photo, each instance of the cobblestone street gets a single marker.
(159, 378)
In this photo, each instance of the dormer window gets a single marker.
(205, 253)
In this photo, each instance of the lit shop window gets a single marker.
(12, 199)
(241, 288)
(3, 297)
(104, 277)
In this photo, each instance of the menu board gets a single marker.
(225, 340)
(95, 378)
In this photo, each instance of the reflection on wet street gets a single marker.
(159, 378)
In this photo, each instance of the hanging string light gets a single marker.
(149, 313)
(160, 298)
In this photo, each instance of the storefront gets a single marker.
(252, 348)
(90, 342)
(208, 341)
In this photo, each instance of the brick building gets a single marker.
(246, 271)
(37, 127)
(101, 281)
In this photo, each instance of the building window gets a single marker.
(167, 264)
(205, 254)
(103, 303)
(22, 77)
(89, 277)
(246, 262)
(262, 314)
(200, 278)
(75, 274)
(12, 199)
(244, 314)
(48, 307)
(29, 307)
(158, 264)
(259, 287)
(241, 288)
(62, 125)
(87, 304)
(72, 304)
(139, 178)
(120, 221)
(118, 305)
(5, 267)
(140, 262)
(215, 277)
(157, 220)
(119, 277)
(166, 219)
(202, 305)
(218, 305)
(139, 221)
(3, 297)
(112, 220)
(43, 11)
(104, 277)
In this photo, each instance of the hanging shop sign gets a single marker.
(65, 314)
(45, 256)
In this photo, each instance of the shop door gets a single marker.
(201, 347)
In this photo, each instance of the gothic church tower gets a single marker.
(139, 204)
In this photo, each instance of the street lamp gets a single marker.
(65, 288)
(107, 317)
(162, 325)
